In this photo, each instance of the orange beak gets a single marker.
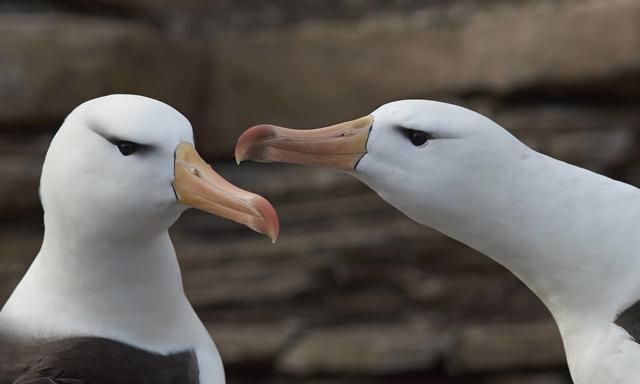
(197, 185)
(339, 146)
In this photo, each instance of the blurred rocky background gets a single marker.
(353, 292)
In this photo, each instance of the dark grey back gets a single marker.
(91, 360)
(629, 319)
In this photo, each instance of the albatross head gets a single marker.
(124, 164)
(426, 158)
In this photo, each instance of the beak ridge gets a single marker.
(197, 185)
(339, 146)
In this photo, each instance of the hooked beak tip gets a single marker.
(267, 219)
(197, 185)
(339, 146)
(249, 145)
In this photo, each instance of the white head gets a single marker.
(124, 166)
(433, 161)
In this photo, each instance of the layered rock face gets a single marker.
(353, 292)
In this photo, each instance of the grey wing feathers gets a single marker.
(629, 320)
(92, 360)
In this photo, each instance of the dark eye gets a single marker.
(127, 148)
(416, 137)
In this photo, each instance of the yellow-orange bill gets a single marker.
(339, 146)
(197, 185)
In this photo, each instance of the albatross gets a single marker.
(103, 301)
(571, 235)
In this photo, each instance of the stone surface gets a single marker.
(19, 189)
(246, 268)
(474, 295)
(597, 138)
(597, 150)
(18, 247)
(549, 118)
(21, 161)
(374, 349)
(252, 343)
(482, 348)
(51, 63)
(543, 378)
(248, 281)
(155, 8)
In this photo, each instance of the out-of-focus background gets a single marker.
(353, 292)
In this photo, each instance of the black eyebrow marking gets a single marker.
(115, 140)
(404, 129)
(407, 131)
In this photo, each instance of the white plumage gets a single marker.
(570, 234)
(107, 267)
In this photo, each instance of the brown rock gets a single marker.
(374, 349)
(51, 63)
(553, 118)
(289, 184)
(155, 7)
(299, 380)
(20, 166)
(483, 348)
(466, 295)
(541, 378)
(17, 251)
(572, 132)
(595, 150)
(254, 343)
(303, 241)
(223, 269)
(242, 282)
(19, 187)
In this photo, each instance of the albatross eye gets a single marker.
(416, 137)
(127, 148)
